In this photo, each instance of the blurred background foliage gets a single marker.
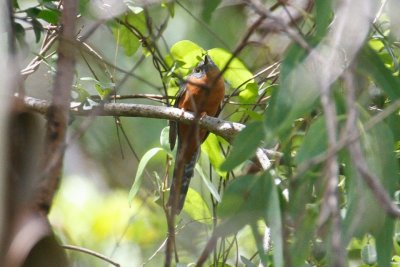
(110, 199)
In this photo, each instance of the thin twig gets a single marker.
(35, 63)
(204, 25)
(347, 140)
(92, 253)
(260, 9)
(207, 250)
(155, 253)
(358, 158)
(331, 207)
(242, 43)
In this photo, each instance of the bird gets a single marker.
(202, 93)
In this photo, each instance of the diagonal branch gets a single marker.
(358, 158)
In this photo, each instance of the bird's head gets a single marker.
(206, 67)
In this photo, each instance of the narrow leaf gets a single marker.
(196, 207)
(244, 202)
(371, 64)
(297, 94)
(314, 143)
(37, 29)
(323, 17)
(274, 221)
(246, 261)
(212, 148)
(139, 174)
(209, 7)
(208, 183)
(244, 145)
(164, 139)
(51, 16)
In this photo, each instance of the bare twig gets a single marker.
(203, 25)
(347, 139)
(330, 207)
(92, 253)
(242, 43)
(357, 156)
(373, 183)
(207, 250)
(260, 9)
(35, 63)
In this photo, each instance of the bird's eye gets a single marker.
(197, 70)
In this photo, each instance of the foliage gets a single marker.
(286, 95)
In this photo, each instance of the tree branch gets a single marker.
(58, 112)
(225, 129)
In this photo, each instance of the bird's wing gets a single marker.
(173, 125)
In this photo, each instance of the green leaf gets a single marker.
(249, 94)
(50, 5)
(274, 221)
(368, 254)
(37, 29)
(384, 248)
(188, 53)
(220, 264)
(376, 44)
(258, 237)
(164, 139)
(196, 207)
(208, 184)
(170, 5)
(209, 7)
(297, 94)
(126, 39)
(314, 143)
(236, 74)
(139, 174)
(51, 16)
(244, 145)
(83, 94)
(84, 6)
(244, 202)
(377, 146)
(20, 35)
(246, 261)
(323, 10)
(103, 92)
(213, 150)
(303, 234)
(134, 8)
(371, 64)
(33, 12)
(124, 36)
(15, 4)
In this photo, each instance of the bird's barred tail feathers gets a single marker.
(188, 170)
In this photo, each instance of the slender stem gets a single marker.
(92, 253)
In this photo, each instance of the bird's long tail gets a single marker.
(180, 186)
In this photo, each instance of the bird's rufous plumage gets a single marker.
(202, 94)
